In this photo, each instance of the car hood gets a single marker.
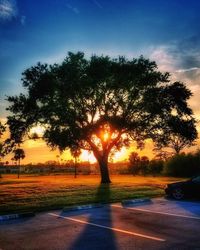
(177, 184)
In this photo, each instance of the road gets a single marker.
(160, 224)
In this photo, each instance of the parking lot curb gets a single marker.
(135, 201)
(16, 216)
(82, 207)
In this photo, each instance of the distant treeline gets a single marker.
(179, 165)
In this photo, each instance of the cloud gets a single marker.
(97, 4)
(72, 8)
(186, 70)
(181, 58)
(187, 52)
(174, 59)
(8, 10)
(162, 57)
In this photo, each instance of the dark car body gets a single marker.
(184, 189)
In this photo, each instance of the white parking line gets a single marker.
(110, 228)
(156, 212)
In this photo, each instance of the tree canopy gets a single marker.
(2, 129)
(98, 104)
(180, 134)
(19, 154)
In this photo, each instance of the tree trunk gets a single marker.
(103, 164)
(18, 169)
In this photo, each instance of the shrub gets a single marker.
(137, 164)
(183, 165)
(156, 167)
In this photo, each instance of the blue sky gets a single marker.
(33, 30)
(167, 31)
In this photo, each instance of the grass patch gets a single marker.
(39, 193)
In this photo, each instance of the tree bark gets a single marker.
(103, 164)
(102, 158)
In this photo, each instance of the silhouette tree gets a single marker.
(137, 164)
(13, 160)
(144, 165)
(179, 134)
(97, 104)
(2, 130)
(75, 152)
(18, 155)
(134, 163)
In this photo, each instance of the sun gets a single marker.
(106, 136)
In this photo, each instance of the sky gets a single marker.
(33, 30)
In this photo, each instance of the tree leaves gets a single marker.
(77, 98)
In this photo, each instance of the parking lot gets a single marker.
(158, 224)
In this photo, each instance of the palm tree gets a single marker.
(18, 155)
(75, 152)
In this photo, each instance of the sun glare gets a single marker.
(105, 136)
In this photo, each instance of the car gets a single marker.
(184, 189)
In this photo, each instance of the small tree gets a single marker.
(137, 164)
(75, 152)
(18, 155)
(134, 163)
(144, 165)
(177, 135)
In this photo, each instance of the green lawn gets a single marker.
(38, 193)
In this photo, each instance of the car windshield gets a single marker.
(196, 179)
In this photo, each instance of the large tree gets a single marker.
(97, 104)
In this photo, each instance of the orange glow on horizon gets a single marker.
(118, 156)
(87, 156)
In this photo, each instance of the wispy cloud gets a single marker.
(186, 70)
(97, 4)
(182, 65)
(162, 57)
(186, 52)
(8, 10)
(73, 8)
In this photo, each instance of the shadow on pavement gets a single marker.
(191, 206)
(99, 238)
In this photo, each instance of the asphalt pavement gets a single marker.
(158, 224)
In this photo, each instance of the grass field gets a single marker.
(38, 193)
